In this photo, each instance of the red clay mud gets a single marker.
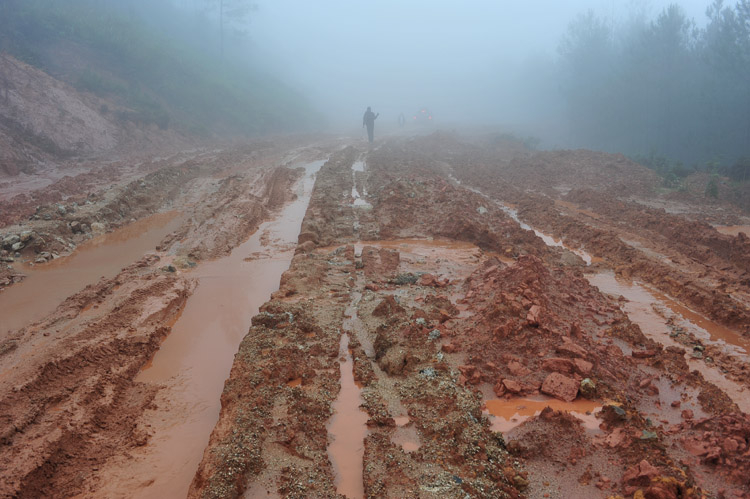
(485, 360)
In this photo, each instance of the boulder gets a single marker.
(561, 387)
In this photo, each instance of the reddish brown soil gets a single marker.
(68, 397)
(448, 303)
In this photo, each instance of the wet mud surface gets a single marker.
(458, 318)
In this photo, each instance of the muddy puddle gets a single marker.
(548, 240)
(47, 285)
(506, 414)
(651, 313)
(347, 430)
(733, 230)
(359, 201)
(643, 300)
(195, 359)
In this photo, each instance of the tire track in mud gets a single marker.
(68, 397)
(429, 352)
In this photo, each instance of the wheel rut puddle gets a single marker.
(47, 285)
(347, 429)
(640, 309)
(195, 359)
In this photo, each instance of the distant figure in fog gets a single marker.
(401, 120)
(368, 120)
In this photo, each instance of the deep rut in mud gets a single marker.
(500, 333)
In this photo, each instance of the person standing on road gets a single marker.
(368, 120)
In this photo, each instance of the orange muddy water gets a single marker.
(642, 300)
(47, 285)
(195, 359)
(733, 230)
(641, 306)
(506, 414)
(347, 430)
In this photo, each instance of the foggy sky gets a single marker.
(460, 59)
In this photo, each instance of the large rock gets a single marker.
(558, 365)
(561, 387)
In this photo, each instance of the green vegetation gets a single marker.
(117, 51)
(712, 187)
(673, 172)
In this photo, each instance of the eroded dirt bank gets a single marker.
(452, 310)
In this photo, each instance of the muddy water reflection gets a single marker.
(347, 430)
(195, 359)
(507, 414)
(47, 285)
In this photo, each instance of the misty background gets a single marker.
(664, 82)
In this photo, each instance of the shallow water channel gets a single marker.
(195, 359)
(47, 285)
(641, 307)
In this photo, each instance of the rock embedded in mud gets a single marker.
(512, 386)
(588, 388)
(9, 241)
(561, 387)
(558, 365)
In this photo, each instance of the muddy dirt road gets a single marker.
(432, 317)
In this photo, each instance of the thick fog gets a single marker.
(468, 62)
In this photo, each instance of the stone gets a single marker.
(499, 389)
(517, 369)
(560, 387)
(730, 445)
(98, 228)
(512, 386)
(449, 348)
(570, 349)
(640, 475)
(307, 236)
(26, 236)
(75, 227)
(583, 367)
(588, 388)
(306, 247)
(532, 317)
(9, 241)
(617, 438)
(18, 246)
(558, 365)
